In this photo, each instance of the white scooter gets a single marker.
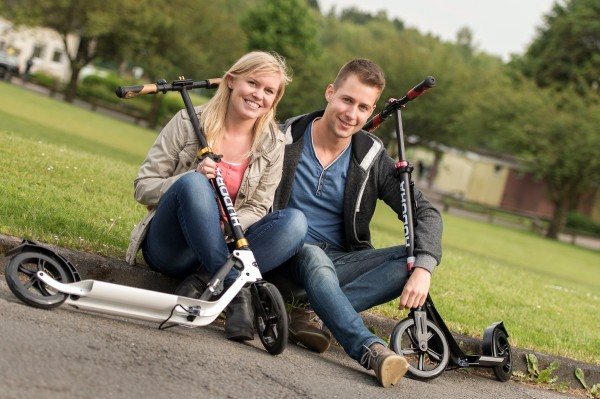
(45, 279)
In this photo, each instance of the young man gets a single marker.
(335, 172)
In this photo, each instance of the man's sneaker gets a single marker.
(389, 367)
(307, 329)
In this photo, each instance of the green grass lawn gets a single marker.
(546, 292)
(67, 173)
(67, 178)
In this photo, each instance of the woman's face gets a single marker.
(253, 95)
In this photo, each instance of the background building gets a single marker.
(43, 44)
(492, 181)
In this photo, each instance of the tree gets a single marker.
(553, 135)
(94, 23)
(464, 41)
(154, 34)
(314, 4)
(285, 26)
(439, 117)
(566, 51)
(353, 14)
(560, 143)
(288, 27)
(173, 44)
(558, 136)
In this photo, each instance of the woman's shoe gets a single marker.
(239, 317)
(192, 286)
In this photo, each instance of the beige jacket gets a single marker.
(174, 153)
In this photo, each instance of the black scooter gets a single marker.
(423, 338)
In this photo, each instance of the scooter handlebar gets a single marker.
(428, 83)
(163, 86)
(134, 91)
(392, 104)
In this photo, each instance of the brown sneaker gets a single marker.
(307, 329)
(389, 367)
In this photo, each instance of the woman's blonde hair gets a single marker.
(213, 114)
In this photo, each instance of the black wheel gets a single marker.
(501, 348)
(423, 364)
(270, 318)
(22, 280)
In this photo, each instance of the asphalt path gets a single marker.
(65, 353)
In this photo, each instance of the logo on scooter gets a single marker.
(404, 213)
(227, 199)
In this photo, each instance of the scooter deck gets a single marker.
(121, 300)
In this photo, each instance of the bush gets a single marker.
(579, 221)
(170, 106)
(101, 90)
(94, 87)
(42, 79)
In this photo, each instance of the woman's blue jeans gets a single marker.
(185, 234)
(341, 284)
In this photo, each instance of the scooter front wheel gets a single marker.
(270, 317)
(21, 277)
(424, 364)
(500, 347)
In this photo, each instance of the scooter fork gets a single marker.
(422, 336)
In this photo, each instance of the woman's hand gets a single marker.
(207, 167)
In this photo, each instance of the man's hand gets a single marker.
(416, 289)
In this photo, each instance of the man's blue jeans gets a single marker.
(341, 284)
(185, 233)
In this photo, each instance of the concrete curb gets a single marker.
(470, 345)
(91, 266)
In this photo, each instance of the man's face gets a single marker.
(349, 106)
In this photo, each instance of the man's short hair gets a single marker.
(365, 70)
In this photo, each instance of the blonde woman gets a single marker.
(183, 235)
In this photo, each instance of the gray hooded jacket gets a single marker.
(371, 176)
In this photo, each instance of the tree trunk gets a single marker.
(154, 111)
(565, 197)
(557, 221)
(432, 172)
(86, 52)
(71, 90)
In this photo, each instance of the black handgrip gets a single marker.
(163, 86)
(393, 104)
(134, 91)
(421, 88)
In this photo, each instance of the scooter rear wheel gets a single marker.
(21, 277)
(271, 319)
(423, 364)
(501, 348)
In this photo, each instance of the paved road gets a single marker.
(64, 353)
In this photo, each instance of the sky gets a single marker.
(499, 27)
